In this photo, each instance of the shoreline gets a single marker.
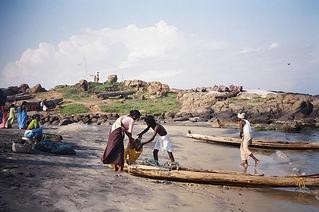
(46, 182)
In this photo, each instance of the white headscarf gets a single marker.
(241, 115)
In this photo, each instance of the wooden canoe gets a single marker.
(256, 143)
(223, 177)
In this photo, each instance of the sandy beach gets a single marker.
(45, 182)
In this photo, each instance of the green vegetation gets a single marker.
(73, 109)
(149, 106)
(237, 100)
(73, 92)
(257, 99)
(247, 101)
(106, 86)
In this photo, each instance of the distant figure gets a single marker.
(3, 99)
(246, 135)
(97, 76)
(34, 131)
(288, 64)
(43, 105)
(12, 111)
(114, 151)
(4, 112)
(163, 142)
(22, 115)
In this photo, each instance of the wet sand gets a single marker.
(45, 182)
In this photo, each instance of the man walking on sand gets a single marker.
(246, 135)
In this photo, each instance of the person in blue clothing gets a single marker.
(22, 116)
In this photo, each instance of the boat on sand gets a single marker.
(256, 143)
(231, 178)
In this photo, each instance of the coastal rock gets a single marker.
(24, 88)
(304, 107)
(157, 88)
(12, 90)
(137, 85)
(112, 78)
(84, 85)
(37, 88)
(169, 114)
(65, 121)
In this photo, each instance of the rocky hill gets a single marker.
(98, 103)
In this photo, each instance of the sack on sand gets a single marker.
(55, 148)
(22, 147)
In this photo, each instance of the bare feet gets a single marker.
(244, 164)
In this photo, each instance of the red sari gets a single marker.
(114, 151)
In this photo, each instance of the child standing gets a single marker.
(163, 141)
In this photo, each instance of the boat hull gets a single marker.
(265, 144)
(224, 177)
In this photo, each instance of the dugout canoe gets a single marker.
(256, 143)
(231, 178)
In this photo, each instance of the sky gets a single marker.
(269, 45)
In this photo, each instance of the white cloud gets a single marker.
(132, 51)
(249, 50)
(273, 45)
(161, 52)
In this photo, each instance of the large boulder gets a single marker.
(37, 88)
(84, 85)
(193, 100)
(112, 78)
(12, 90)
(24, 88)
(304, 107)
(138, 85)
(154, 87)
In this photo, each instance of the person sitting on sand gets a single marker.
(246, 135)
(163, 141)
(34, 131)
(133, 151)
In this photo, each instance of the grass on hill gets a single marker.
(106, 86)
(149, 106)
(74, 92)
(73, 109)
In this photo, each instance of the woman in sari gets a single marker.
(12, 112)
(114, 151)
(4, 111)
(22, 116)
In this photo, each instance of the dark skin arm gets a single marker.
(143, 132)
(153, 136)
(129, 135)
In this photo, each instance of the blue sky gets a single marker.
(185, 44)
